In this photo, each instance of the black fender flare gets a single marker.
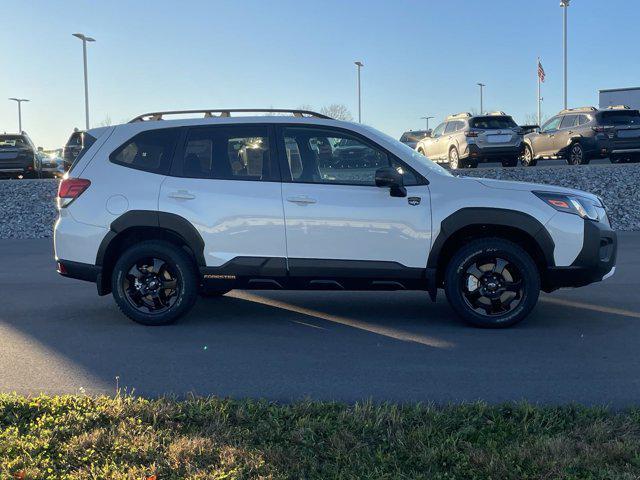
(469, 216)
(149, 218)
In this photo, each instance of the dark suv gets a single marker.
(581, 134)
(18, 157)
(71, 149)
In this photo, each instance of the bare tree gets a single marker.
(106, 121)
(337, 111)
(532, 118)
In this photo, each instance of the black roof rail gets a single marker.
(226, 112)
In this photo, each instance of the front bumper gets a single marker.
(595, 262)
(489, 153)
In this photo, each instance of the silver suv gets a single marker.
(464, 140)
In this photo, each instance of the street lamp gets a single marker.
(565, 6)
(85, 39)
(427, 119)
(481, 85)
(359, 64)
(19, 102)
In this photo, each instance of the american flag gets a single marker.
(540, 72)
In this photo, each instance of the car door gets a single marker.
(544, 141)
(564, 133)
(433, 144)
(225, 181)
(338, 222)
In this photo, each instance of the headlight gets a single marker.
(575, 204)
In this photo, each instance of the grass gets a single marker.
(73, 437)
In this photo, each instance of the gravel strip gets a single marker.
(27, 207)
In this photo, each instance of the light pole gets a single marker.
(427, 119)
(481, 85)
(565, 6)
(359, 64)
(19, 102)
(85, 39)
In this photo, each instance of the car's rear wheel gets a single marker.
(154, 283)
(492, 283)
(527, 159)
(577, 155)
(454, 159)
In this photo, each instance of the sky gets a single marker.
(421, 57)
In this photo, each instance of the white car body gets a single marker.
(307, 222)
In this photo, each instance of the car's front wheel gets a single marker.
(492, 283)
(154, 283)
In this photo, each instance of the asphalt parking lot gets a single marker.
(58, 336)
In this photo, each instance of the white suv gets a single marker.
(158, 212)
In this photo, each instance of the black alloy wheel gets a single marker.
(155, 282)
(151, 285)
(492, 283)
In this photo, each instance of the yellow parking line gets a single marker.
(589, 306)
(380, 330)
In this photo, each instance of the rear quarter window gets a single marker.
(150, 151)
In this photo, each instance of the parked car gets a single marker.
(412, 137)
(464, 140)
(582, 134)
(156, 212)
(51, 165)
(18, 156)
(72, 148)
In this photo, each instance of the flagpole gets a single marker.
(538, 73)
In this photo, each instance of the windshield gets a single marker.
(407, 151)
(628, 117)
(492, 122)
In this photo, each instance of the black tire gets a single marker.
(208, 293)
(177, 268)
(518, 275)
(454, 158)
(527, 159)
(614, 159)
(510, 162)
(576, 155)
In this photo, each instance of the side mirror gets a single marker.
(389, 177)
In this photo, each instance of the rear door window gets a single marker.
(568, 121)
(230, 153)
(150, 151)
(451, 127)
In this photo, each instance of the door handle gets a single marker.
(570, 132)
(301, 200)
(182, 195)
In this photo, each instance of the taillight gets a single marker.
(471, 133)
(70, 189)
(599, 129)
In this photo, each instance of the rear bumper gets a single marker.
(595, 262)
(485, 153)
(79, 271)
